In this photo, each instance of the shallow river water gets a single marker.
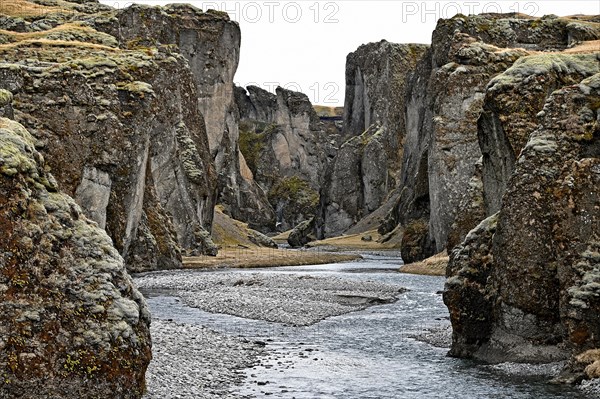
(366, 354)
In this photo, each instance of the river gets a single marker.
(367, 354)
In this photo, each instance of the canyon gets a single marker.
(125, 146)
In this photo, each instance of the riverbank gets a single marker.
(433, 266)
(397, 349)
(255, 257)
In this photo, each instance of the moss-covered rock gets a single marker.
(121, 129)
(447, 95)
(284, 144)
(294, 197)
(539, 279)
(511, 112)
(6, 99)
(466, 294)
(72, 323)
(414, 246)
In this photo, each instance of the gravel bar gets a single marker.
(284, 298)
(194, 362)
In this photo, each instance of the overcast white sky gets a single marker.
(302, 45)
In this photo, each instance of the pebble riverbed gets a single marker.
(270, 342)
(194, 362)
(191, 361)
(297, 300)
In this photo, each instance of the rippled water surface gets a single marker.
(366, 354)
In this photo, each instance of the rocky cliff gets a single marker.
(71, 322)
(446, 97)
(366, 168)
(287, 150)
(210, 43)
(530, 273)
(508, 117)
(117, 105)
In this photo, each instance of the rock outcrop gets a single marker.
(71, 322)
(366, 168)
(287, 150)
(302, 234)
(210, 42)
(534, 282)
(228, 232)
(113, 100)
(509, 117)
(446, 97)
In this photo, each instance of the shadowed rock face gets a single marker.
(542, 266)
(446, 98)
(119, 120)
(287, 149)
(366, 168)
(71, 322)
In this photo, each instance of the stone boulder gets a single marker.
(302, 234)
(414, 244)
(72, 324)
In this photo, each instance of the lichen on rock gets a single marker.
(95, 104)
(542, 265)
(72, 322)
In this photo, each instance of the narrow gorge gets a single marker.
(129, 152)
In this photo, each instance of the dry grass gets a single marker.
(25, 9)
(323, 110)
(434, 266)
(18, 36)
(590, 359)
(46, 43)
(72, 33)
(592, 46)
(354, 242)
(265, 257)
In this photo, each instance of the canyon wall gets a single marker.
(367, 165)
(210, 42)
(72, 324)
(287, 150)
(530, 272)
(446, 98)
(118, 101)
